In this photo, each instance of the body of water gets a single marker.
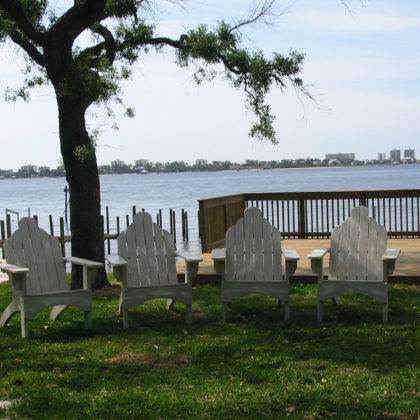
(45, 196)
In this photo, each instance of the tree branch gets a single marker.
(180, 44)
(109, 44)
(82, 15)
(30, 49)
(14, 10)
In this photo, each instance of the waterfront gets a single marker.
(45, 196)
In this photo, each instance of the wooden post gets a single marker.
(66, 190)
(127, 220)
(3, 234)
(134, 212)
(160, 217)
(107, 228)
(118, 225)
(63, 244)
(8, 226)
(51, 225)
(186, 226)
(174, 226)
(171, 227)
(183, 223)
(36, 218)
(302, 219)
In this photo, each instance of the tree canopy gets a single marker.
(120, 31)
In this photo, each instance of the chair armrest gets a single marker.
(17, 276)
(388, 260)
(290, 254)
(318, 253)
(115, 260)
(189, 258)
(391, 254)
(218, 254)
(82, 261)
(317, 261)
(13, 269)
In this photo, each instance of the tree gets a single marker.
(120, 31)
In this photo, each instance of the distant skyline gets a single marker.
(363, 67)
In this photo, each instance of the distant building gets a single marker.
(342, 157)
(201, 162)
(28, 170)
(44, 170)
(395, 155)
(141, 162)
(409, 153)
(117, 163)
(381, 157)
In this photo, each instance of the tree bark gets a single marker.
(85, 201)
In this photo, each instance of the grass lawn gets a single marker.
(255, 366)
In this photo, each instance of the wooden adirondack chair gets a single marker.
(145, 265)
(359, 261)
(252, 261)
(38, 279)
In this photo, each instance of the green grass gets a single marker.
(255, 366)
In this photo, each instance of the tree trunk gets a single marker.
(85, 202)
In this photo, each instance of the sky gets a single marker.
(362, 65)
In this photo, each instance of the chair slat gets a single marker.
(267, 249)
(343, 251)
(277, 256)
(134, 275)
(150, 249)
(231, 257)
(249, 245)
(257, 246)
(162, 266)
(363, 247)
(170, 256)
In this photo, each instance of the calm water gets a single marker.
(44, 196)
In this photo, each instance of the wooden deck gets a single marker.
(407, 269)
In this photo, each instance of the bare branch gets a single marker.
(260, 13)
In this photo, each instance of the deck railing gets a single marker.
(310, 214)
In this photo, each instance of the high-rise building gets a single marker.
(381, 157)
(395, 155)
(409, 153)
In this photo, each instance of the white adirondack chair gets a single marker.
(146, 267)
(252, 261)
(38, 278)
(359, 261)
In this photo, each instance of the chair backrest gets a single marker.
(253, 249)
(357, 246)
(33, 248)
(149, 250)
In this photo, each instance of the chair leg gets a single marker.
(319, 311)
(24, 325)
(170, 304)
(286, 311)
(87, 325)
(385, 312)
(188, 314)
(120, 304)
(224, 304)
(125, 317)
(8, 313)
